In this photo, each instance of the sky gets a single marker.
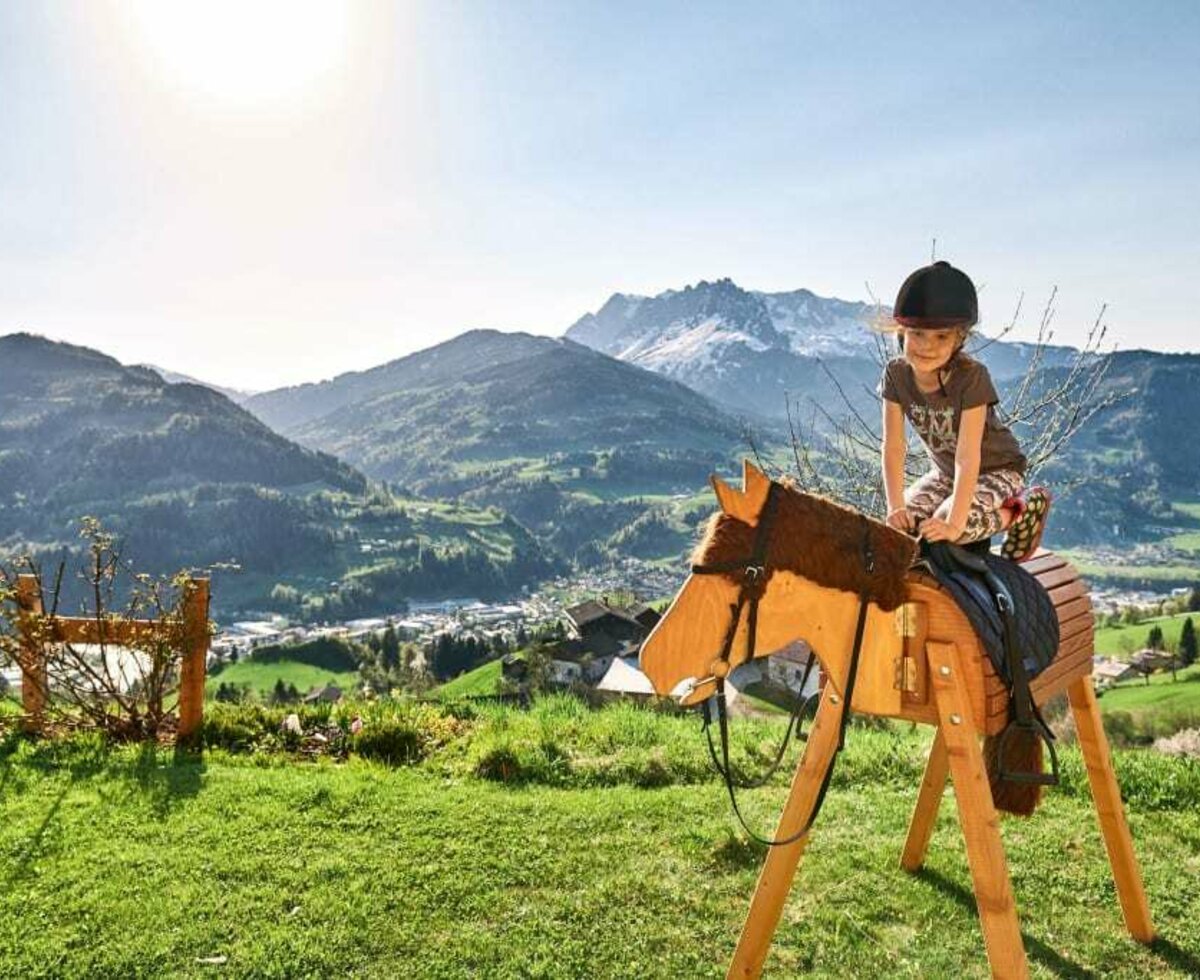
(267, 192)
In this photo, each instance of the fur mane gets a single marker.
(818, 539)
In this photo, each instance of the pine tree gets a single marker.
(1154, 639)
(1187, 643)
(390, 649)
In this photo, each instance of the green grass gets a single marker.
(1134, 576)
(1162, 693)
(480, 681)
(262, 676)
(134, 864)
(1112, 640)
(1187, 541)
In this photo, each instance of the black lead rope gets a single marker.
(726, 770)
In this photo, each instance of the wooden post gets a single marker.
(779, 869)
(1107, 797)
(928, 800)
(32, 661)
(977, 814)
(195, 655)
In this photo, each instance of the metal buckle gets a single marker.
(753, 573)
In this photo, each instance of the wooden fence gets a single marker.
(81, 629)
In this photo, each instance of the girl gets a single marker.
(976, 485)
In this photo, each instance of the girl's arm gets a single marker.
(895, 449)
(966, 465)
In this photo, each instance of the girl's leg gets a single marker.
(924, 496)
(987, 515)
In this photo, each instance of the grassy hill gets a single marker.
(1121, 640)
(591, 454)
(186, 478)
(482, 680)
(246, 868)
(262, 677)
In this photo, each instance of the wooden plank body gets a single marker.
(943, 622)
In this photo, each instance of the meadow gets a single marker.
(555, 842)
(262, 677)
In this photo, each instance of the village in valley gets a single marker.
(598, 623)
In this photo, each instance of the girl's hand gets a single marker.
(902, 519)
(934, 529)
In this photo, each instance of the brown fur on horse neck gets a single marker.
(820, 540)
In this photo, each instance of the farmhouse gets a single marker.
(1108, 672)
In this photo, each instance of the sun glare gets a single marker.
(244, 53)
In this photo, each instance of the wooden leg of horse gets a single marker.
(1111, 814)
(977, 814)
(775, 879)
(920, 829)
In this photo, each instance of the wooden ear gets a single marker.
(727, 497)
(745, 507)
(755, 486)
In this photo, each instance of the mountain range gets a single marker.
(754, 352)
(579, 449)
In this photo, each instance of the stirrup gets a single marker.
(1038, 728)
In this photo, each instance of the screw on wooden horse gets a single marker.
(779, 565)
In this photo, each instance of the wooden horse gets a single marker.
(919, 660)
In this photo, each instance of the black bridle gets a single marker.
(754, 571)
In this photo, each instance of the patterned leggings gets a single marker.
(930, 497)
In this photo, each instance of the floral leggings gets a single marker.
(930, 497)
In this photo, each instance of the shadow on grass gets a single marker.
(1050, 958)
(1186, 963)
(164, 776)
(737, 853)
(34, 847)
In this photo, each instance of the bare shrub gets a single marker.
(126, 690)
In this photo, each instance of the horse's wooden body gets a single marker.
(921, 661)
(932, 615)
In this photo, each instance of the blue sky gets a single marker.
(438, 167)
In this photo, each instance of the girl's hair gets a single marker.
(885, 323)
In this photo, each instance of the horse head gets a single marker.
(818, 558)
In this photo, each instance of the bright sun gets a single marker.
(244, 52)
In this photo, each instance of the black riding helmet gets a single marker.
(937, 295)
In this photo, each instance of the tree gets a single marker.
(1194, 599)
(1154, 639)
(390, 649)
(836, 450)
(121, 692)
(1187, 643)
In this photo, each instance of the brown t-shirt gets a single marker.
(936, 417)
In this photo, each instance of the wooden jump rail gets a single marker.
(82, 629)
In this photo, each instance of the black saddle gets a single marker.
(1014, 618)
(977, 580)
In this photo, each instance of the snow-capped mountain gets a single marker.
(757, 353)
(748, 350)
(683, 327)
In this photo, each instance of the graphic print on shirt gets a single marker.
(935, 426)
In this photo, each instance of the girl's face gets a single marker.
(929, 350)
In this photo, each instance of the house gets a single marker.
(1148, 661)
(330, 693)
(624, 677)
(604, 630)
(786, 668)
(1105, 673)
(564, 672)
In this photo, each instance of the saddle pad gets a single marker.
(1035, 619)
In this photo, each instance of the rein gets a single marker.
(754, 573)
